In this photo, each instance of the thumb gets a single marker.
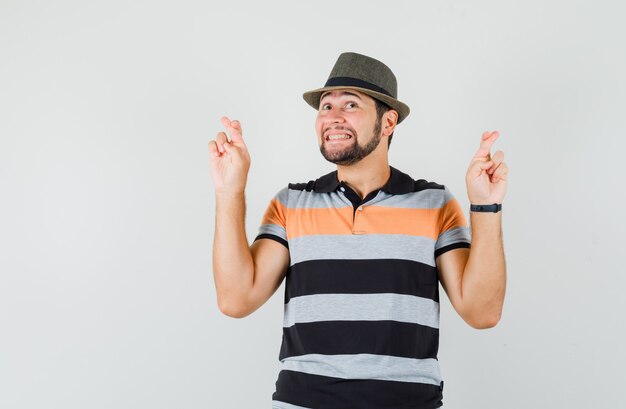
(231, 149)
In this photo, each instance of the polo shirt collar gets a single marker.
(399, 183)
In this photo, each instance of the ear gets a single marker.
(390, 119)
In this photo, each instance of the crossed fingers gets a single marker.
(499, 169)
(221, 139)
(493, 165)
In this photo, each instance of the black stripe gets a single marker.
(272, 237)
(316, 391)
(460, 245)
(362, 277)
(355, 82)
(393, 338)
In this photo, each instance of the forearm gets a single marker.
(484, 277)
(233, 266)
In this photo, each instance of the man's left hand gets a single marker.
(486, 175)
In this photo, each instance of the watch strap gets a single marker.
(495, 208)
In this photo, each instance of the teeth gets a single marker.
(338, 136)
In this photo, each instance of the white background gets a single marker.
(107, 209)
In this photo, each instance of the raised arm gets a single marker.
(245, 276)
(475, 280)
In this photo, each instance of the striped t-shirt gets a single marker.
(361, 315)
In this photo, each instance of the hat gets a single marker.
(364, 74)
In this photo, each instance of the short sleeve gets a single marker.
(274, 222)
(454, 231)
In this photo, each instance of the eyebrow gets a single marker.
(341, 95)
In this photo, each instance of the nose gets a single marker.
(333, 116)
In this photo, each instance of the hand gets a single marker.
(230, 160)
(486, 175)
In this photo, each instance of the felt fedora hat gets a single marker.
(364, 74)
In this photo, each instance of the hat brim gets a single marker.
(313, 99)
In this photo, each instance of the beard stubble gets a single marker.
(355, 152)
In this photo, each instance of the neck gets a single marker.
(369, 174)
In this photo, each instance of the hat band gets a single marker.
(355, 82)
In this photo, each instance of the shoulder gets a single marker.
(302, 186)
(294, 193)
(422, 184)
(401, 182)
(323, 184)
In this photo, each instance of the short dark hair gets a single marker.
(381, 108)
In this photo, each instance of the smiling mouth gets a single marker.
(337, 137)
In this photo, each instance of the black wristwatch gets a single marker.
(495, 208)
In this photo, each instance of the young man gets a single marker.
(363, 249)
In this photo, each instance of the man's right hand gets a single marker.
(230, 160)
(246, 275)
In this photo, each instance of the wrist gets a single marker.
(486, 208)
(229, 194)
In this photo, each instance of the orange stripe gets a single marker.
(372, 220)
(305, 222)
(453, 216)
(275, 213)
(394, 220)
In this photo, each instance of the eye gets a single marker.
(325, 107)
(351, 105)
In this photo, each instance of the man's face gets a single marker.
(346, 126)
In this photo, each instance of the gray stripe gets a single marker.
(361, 307)
(276, 404)
(453, 236)
(425, 199)
(364, 247)
(302, 199)
(367, 366)
(283, 196)
(447, 195)
(273, 229)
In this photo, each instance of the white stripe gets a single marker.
(361, 307)
(425, 199)
(276, 404)
(452, 236)
(367, 366)
(363, 247)
(274, 229)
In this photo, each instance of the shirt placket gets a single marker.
(358, 217)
